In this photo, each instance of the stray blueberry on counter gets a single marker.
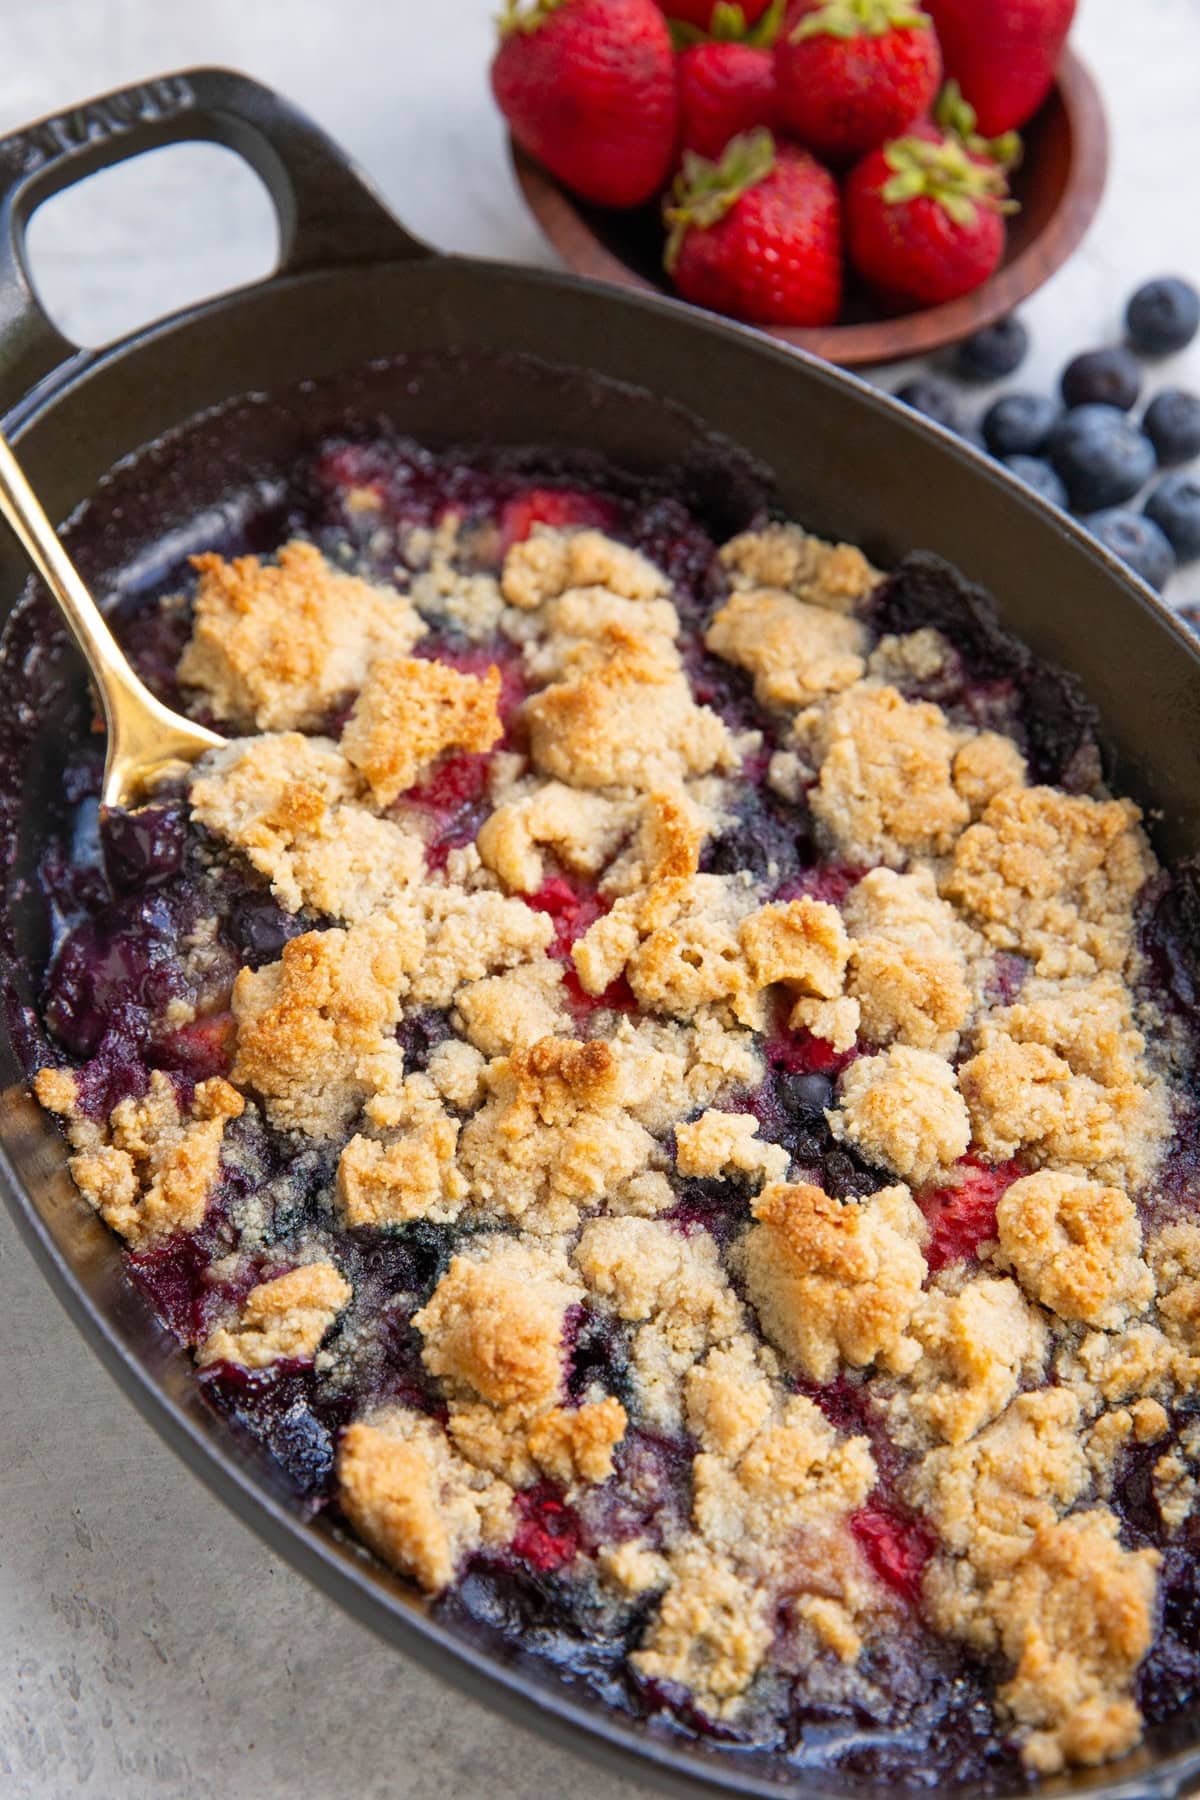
(997, 350)
(934, 398)
(1101, 456)
(1172, 423)
(1019, 424)
(1102, 378)
(1038, 475)
(1137, 541)
(1164, 315)
(1174, 506)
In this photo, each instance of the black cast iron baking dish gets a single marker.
(643, 384)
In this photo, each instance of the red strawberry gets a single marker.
(853, 73)
(588, 87)
(723, 89)
(729, 19)
(757, 235)
(925, 219)
(1003, 54)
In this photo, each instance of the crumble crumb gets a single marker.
(308, 1024)
(151, 1170)
(913, 659)
(414, 1500)
(976, 1347)
(801, 943)
(988, 764)
(723, 1144)
(574, 1445)
(274, 646)
(836, 1280)
(510, 1012)
(835, 1022)
(835, 576)
(1054, 876)
(280, 1320)
(1175, 1258)
(1077, 1619)
(408, 1173)
(902, 1110)
(553, 1136)
(884, 791)
(1076, 1247)
(494, 1323)
(549, 562)
(584, 830)
(908, 967)
(794, 651)
(290, 805)
(711, 1631)
(408, 712)
(631, 722)
(679, 945)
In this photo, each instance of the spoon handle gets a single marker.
(23, 512)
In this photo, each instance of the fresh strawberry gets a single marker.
(730, 20)
(724, 89)
(758, 234)
(852, 73)
(1003, 54)
(925, 219)
(588, 87)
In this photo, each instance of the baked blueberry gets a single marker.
(1019, 424)
(1137, 540)
(994, 352)
(1172, 423)
(934, 398)
(1174, 506)
(1102, 378)
(1163, 315)
(1037, 474)
(1101, 457)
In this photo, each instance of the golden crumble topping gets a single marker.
(275, 645)
(314, 1028)
(290, 804)
(795, 652)
(151, 1169)
(408, 712)
(1054, 876)
(1076, 1247)
(836, 1280)
(836, 576)
(904, 1111)
(531, 1039)
(885, 789)
(281, 1319)
(414, 1500)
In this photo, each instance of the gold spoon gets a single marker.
(147, 742)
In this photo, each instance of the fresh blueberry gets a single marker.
(1172, 423)
(1137, 541)
(1019, 424)
(935, 398)
(1164, 315)
(1102, 378)
(1038, 475)
(1101, 456)
(1174, 506)
(997, 350)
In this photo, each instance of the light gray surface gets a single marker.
(150, 1648)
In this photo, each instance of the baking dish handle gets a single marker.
(329, 214)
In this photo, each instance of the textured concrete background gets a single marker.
(150, 1647)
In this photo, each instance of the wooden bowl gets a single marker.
(1058, 186)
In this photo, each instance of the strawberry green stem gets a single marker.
(705, 191)
(861, 18)
(520, 17)
(946, 173)
(956, 116)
